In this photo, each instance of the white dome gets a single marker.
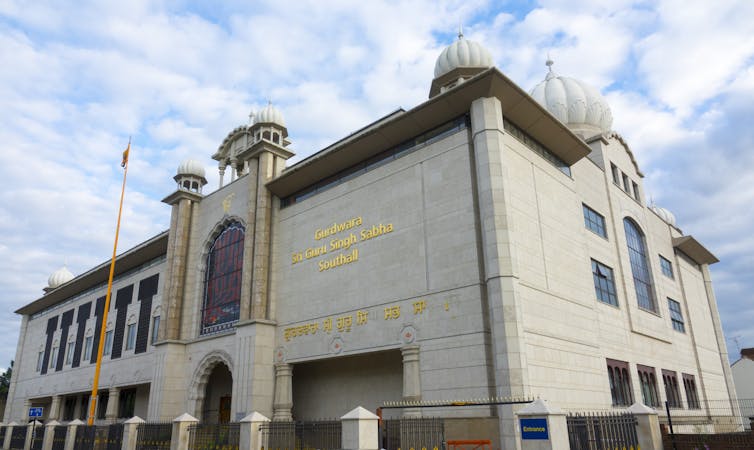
(664, 214)
(191, 167)
(269, 114)
(573, 102)
(462, 53)
(59, 277)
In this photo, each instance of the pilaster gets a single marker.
(175, 268)
(283, 402)
(113, 396)
(412, 390)
(54, 413)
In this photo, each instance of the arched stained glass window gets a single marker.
(637, 253)
(222, 287)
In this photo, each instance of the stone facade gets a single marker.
(440, 253)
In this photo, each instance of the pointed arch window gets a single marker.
(637, 253)
(222, 286)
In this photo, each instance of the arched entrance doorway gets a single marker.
(217, 395)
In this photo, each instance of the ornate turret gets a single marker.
(458, 62)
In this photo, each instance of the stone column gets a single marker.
(283, 402)
(222, 175)
(261, 258)
(412, 389)
(647, 427)
(130, 427)
(542, 427)
(70, 436)
(27, 405)
(54, 413)
(250, 437)
(180, 436)
(359, 430)
(8, 433)
(49, 434)
(113, 396)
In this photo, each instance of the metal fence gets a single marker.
(37, 435)
(592, 431)
(413, 433)
(304, 435)
(716, 424)
(3, 430)
(99, 437)
(154, 436)
(18, 438)
(214, 436)
(58, 437)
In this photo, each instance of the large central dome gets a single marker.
(580, 106)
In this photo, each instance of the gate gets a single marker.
(18, 437)
(413, 433)
(37, 435)
(58, 437)
(320, 434)
(214, 436)
(154, 436)
(602, 430)
(99, 437)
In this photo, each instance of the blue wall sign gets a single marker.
(534, 429)
(35, 411)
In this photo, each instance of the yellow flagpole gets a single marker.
(101, 346)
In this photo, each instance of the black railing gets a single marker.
(592, 431)
(154, 436)
(18, 437)
(712, 416)
(304, 435)
(417, 433)
(85, 437)
(58, 437)
(3, 430)
(214, 436)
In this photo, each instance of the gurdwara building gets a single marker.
(489, 242)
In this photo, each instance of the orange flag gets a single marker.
(125, 155)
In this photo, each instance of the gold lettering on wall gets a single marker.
(340, 245)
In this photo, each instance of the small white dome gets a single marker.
(573, 102)
(462, 53)
(269, 114)
(664, 214)
(59, 278)
(191, 167)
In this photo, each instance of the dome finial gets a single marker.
(460, 31)
(549, 63)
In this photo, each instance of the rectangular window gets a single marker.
(667, 267)
(40, 361)
(676, 316)
(108, 343)
(620, 382)
(636, 190)
(54, 357)
(594, 221)
(604, 283)
(648, 382)
(69, 353)
(626, 186)
(87, 349)
(672, 394)
(131, 336)
(689, 385)
(155, 328)
(616, 177)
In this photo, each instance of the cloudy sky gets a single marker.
(77, 79)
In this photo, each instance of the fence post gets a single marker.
(49, 434)
(359, 430)
(542, 427)
(70, 435)
(249, 437)
(8, 433)
(647, 427)
(30, 432)
(179, 439)
(130, 429)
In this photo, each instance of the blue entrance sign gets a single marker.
(534, 429)
(35, 411)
